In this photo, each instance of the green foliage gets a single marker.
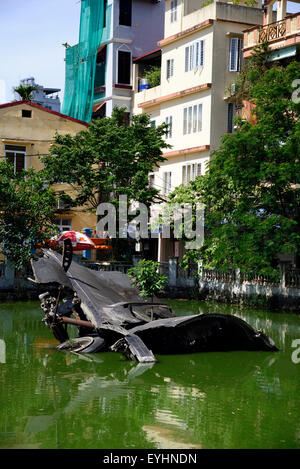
(107, 160)
(251, 190)
(255, 67)
(153, 75)
(25, 91)
(147, 278)
(27, 209)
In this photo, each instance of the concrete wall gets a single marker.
(275, 296)
(147, 25)
(214, 24)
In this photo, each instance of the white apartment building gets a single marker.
(201, 53)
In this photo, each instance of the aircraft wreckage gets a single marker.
(111, 315)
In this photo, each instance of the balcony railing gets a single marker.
(272, 31)
(276, 33)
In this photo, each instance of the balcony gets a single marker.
(280, 34)
(272, 31)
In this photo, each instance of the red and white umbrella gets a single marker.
(80, 241)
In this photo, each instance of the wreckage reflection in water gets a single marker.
(209, 400)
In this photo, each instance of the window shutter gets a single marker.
(173, 9)
(193, 172)
(201, 53)
(195, 118)
(188, 176)
(199, 117)
(190, 119)
(185, 121)
(239, 54)
(191, 64)
(167, 182)
(233, 54)
(184, 175)
(187, 50)
(197, 54)
(170, 68)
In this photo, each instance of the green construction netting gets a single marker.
(81, 62)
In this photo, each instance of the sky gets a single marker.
(31, 36)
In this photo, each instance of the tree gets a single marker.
(251, 190)
(25, 91)
(153, 75)
(27, 208)
(108, 160)
(147, 278)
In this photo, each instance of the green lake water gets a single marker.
(51, 399)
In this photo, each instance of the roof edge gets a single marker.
(42, 108)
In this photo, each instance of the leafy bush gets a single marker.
(153, 75)
(147, 278)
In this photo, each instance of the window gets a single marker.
(151, 180)
(190, 172)
(173, 10)
(169, 122)
(192, 119)
(16, 155)
(194, 56)
(170, 68)
(26, 113)
(124, 65)
(235, 54)
(125, 13)
(167, 182)
(63, 224)
(153, 124)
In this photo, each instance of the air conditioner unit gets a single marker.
(232, 88)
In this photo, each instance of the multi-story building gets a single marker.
(46, 97)
(201, 54)
(99, 71)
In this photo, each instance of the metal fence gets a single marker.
(210, 275)
(188, 273)
(252, 277)
(292, 278)
(108, 266)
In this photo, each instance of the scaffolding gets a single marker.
(81, 62)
